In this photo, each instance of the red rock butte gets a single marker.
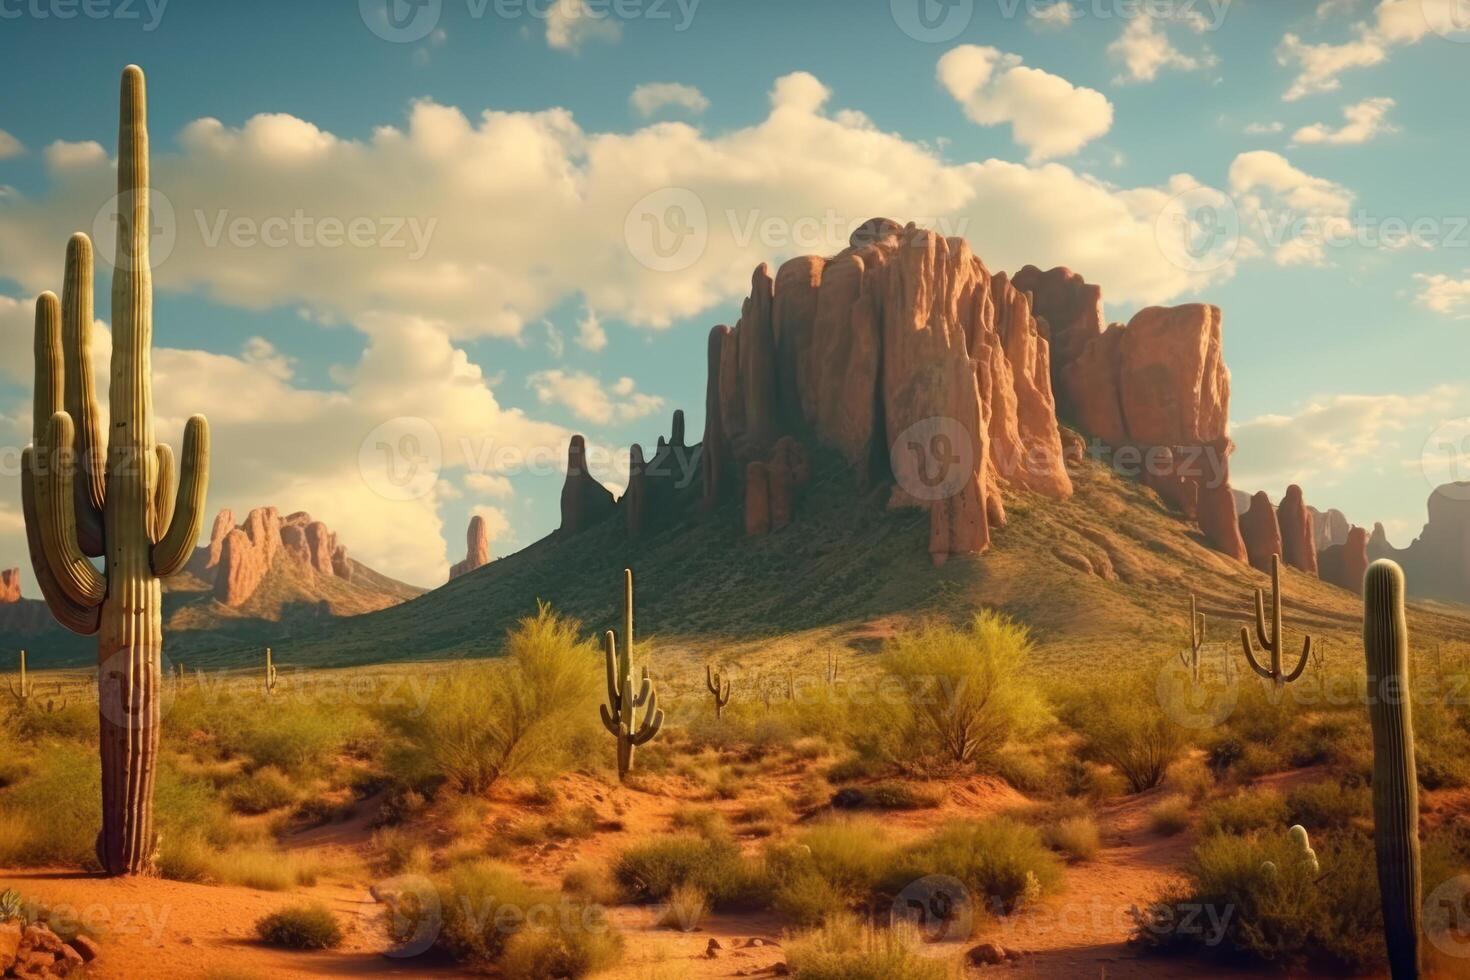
(238, 558)
(904, 353)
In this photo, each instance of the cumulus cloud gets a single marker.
(1394, 23)
(1439, 293)
(1364, 121)
(588, 398)
(649, 98)
(1293, 215)
(1144, 48)
(10, 146)
(590, 334)
(572, 23)
(1048, 115)
(463, 220)
(1334, 436)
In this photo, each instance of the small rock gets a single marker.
(987, 954)
(9, 944)
(780, 970)
(70, 957)
(89, 948)
(712, 949)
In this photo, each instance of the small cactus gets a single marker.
(1395, 783)
(1196, 640)
(621, 715)
(831, 668)
(271, 677)
(1303, 847)
(719, 687)
(1271, 642)
(22, 694)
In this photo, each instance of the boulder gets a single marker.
(9, 586)
(477, 549)
(1346, 564)
(584, 501)
(1298, 540)
(10, 935)
(1261, 532)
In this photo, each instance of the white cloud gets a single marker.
(591, 400)
(494, 195)
(1053, 16)
(649, 98)
(1393, 23)
(1336, 435)
(1049, 116)
(488, 485)
(1331, 8)
(1444, 294)
(590, 334)
(1295, 214)
(1144, 48)
(1364, 121)
(63, 155)
(572, 23)
(1263, 129)
(10, 146)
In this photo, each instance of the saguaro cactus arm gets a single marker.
(84, 620)
(172, 552)
(77, 576)
(1271, 639)
(80, 399)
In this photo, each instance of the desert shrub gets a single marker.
(1169, 816)
(1122, 725)
(855, 767)
(41, 822)
(1002, 862)
(888, 795)
(494, 920)
(1245, 812)
(400, 851)
(260, 792)
(1191, 777)
(531, 714)
(1327, 805)
(72, 718)
(309, 926)
(851, 855)
(845, 949)
(1076, 837)
(966, 692)
(804, 898)
(685, 910)
(192, 857)
(650, 871)
(591, 882)
(702, 820)
(1283, 915)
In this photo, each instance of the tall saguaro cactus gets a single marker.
(116, 501)
(1395, 783)
(719, 687)
(1271, 642)
(22, 694)
(633, 719)
(1196, 640)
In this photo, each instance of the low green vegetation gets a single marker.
(308, 926)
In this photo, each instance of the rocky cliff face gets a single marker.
(1329, 527)
(1261, 532)
(1298, 537)
(237, 559)
(477, 549)
(934, 376)
(1437, 563)
(9, 586)
(1345, 564)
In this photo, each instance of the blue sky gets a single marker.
(525, 311)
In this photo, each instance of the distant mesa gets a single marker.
(1345, 564)
(1437, 563)
(477, 552)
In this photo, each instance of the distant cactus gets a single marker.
(1395, 784)
(719, 687)
(1196, 641)
(620, 715)
(271, 677)
(22, 694)
(1303, 847)
(831, 667)
(1271, 642)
